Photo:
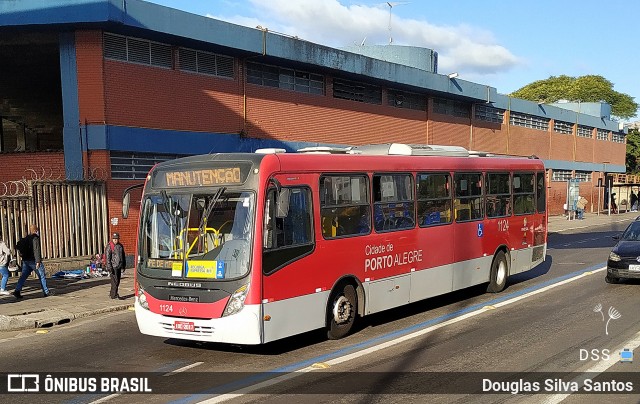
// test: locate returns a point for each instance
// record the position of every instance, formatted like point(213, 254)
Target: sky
point(504, 44)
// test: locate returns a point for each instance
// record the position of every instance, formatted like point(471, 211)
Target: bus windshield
point(197, 235)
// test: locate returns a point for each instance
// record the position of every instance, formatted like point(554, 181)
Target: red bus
point(249, 248)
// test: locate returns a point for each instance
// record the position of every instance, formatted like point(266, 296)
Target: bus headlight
point(142, 298)
point(614, 257)
point(236, 302)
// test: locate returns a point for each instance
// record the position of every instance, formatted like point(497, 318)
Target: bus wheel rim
point(341, 310)
point(502, 273)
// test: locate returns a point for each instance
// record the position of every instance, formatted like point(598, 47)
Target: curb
point(49, 318)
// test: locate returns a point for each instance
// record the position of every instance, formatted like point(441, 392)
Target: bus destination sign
point(200, 177)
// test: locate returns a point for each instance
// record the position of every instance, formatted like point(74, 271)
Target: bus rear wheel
point(341, 311)
point(499, 273)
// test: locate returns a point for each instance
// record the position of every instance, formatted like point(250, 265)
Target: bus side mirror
point(126, 200)
point(282, 204)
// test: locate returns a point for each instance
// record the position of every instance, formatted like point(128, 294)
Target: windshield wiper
point(209, 208)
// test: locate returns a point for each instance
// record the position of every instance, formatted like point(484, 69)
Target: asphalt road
point(490, 336)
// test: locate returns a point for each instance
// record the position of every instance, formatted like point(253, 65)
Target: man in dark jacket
point(32, 261)
point(115, 260)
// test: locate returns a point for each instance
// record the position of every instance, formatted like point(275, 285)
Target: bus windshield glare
point(205, 236)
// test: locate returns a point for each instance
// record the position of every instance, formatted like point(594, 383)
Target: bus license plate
point(184, 326)
point(634, 268)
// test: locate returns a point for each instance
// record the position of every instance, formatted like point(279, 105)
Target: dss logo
point(595, 354)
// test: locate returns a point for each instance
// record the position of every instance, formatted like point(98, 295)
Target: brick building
point(103, 89)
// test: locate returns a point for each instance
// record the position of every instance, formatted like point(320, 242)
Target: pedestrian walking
point(614, 206)
point(115, 260)
point(5, 257)
point(32, 261)
point(581, 204)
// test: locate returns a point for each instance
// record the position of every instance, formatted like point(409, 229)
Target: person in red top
point(115, 260)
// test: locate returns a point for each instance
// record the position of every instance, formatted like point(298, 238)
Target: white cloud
point(460, 48)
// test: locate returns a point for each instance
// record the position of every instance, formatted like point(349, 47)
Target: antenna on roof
point(392, 4)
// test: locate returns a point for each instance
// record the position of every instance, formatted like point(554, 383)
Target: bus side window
point(289, 238)
point(468, 197)
point(434, 199)
point(344, 206)
point(293, 229)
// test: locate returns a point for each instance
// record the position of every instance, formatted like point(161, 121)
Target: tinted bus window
point(434, 199)
point(393, 206)
point(468, 202)
point(523, 193)
point(293, 229)
point(344, 205)
point(287, 238)
point(542, 193)
point(498, 194)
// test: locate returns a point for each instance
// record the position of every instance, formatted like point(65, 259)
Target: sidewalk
point(81, 298)
point(74, 298)
point(558, 224)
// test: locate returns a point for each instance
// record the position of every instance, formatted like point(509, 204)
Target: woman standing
point(5, 257)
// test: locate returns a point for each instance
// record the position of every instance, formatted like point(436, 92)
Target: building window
point(287, 79)
point(584, 176)
point(356, 91)
point(585, 131)
point(133, 166)
point(565, 128)
point(528, 121)
point(561, 175)
point(617, 137)
point(602, 134)
point(344, 205)
point(450, 107)
point(489, 114)
point(136, 50)
point(402, 99)
point(393, 205)
point(191, 60)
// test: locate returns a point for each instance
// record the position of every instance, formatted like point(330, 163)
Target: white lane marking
point(182, 369)
point(598, 368)
point(249, 389)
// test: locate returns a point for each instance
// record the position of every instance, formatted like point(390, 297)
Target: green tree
point(633, 151)
point(591, 88)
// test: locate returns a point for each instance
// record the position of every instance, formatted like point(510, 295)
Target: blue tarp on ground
point(75, 274)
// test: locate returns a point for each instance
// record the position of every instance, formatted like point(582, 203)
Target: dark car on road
point(624, 258)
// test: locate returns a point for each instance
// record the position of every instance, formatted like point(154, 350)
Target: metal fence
point(72, 216)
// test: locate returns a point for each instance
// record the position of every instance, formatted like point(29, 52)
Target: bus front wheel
point(341, 311)
point(499, 273)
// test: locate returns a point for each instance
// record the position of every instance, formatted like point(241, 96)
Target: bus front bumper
point(240, 328)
